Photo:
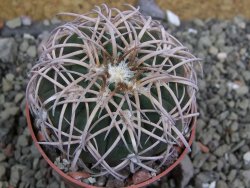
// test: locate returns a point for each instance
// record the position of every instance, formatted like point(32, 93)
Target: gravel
point(223, 100)
point(14, 23)
point(8, 48)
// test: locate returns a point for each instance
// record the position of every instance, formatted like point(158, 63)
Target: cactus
point(113, 92)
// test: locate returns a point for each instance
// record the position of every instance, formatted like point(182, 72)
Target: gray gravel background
point(220, 155)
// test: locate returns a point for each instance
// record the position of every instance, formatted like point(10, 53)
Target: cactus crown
point(114, 92)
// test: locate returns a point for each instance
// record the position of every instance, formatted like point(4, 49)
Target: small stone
point(113, 183)
point(243, 104)
point(7, 85)
point(8, 151)
point(2, 171)
point(62, 185)
point(191, 30)
point(209, 185)
point(221, 184)
point(91, 180)
point(14, 23)
point(150, 8)
point(18, 97)
point(54, 184)
point(46, 22)
point(41, 183)
point(195, 149)
point(26, 20)
point(220, 151)
point(232, 175)
point(35, 163)
point(246, 75)
point(234, 126)
point(2, 157)
point(199, 160)
point(22, 141)
point(10, 77)
point(15, 174)
point(101, 181)
point(232, 159)
point(4, 184)
point(141, 176)
point(246, 158)
point(222, 56)
point(205, 41)
point(55, 21)
point(28, 36)
point(24, 46)
point(246, 176)
point(187, 171)
point(173, 18)
point(242, 90)
point(237, 183)
point(213, 50)
point(8, 50)
point(31, 51)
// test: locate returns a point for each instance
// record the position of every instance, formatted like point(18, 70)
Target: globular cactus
point(113, 92)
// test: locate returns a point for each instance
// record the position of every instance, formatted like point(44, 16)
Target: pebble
point(14, 23)
point(26, 20)
point(8, 50)
point(232, 175)
point(173, 18)
point(18, 97)
point(53, 185)
point(242, 90)
point(7, 85)
point(141, 176)
point(209, 185)
point(205, 41)
point(246, 158)
point(2, 157)
point(246, 177)
point(237, 183)
point(221, 150)
point(22, 141)
point(222, 56)
point(234, 126)
point(232, 159)
point(187, 171)
point(113, 183)
point(46, 22)
point(32, 51)
point(221, 184)
point(150, 8)
point(24, 46)
point(199, 160)
point(15, 174)
point(41, 183)
point(2, 171)
point(101, 181)
point(213, 50)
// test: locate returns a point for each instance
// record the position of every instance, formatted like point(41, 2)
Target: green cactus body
point(116, 90)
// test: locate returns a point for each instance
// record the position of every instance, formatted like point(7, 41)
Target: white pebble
point(222, 56)
point(246, 158)
point(173, 18)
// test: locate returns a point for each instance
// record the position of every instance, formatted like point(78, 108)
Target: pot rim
point(70, 180)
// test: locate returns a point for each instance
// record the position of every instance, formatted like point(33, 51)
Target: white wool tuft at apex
point(120, 73)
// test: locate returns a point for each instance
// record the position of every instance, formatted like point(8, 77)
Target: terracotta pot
point(77, 184)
